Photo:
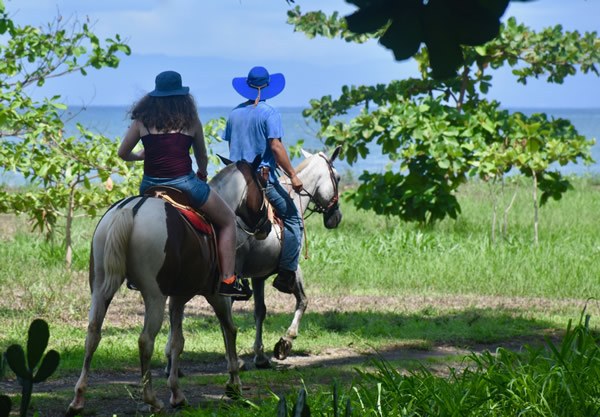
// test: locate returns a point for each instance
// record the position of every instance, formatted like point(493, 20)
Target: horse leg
point(284, 346)
point(153, 318)
point(260, 311)
point(175, 345)
point(222, 307)
point(94, 334)
point(180, 373)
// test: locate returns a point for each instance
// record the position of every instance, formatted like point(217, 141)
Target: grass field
point(376, 284)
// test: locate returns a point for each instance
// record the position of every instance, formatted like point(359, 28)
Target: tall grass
point(552, 381)
point(377, 255)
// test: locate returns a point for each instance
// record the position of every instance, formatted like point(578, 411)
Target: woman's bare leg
point(223, 218)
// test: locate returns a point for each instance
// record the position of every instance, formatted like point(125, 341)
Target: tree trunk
point(535, 209)
point(68, 229)
point(494, 213)
point(506, 210)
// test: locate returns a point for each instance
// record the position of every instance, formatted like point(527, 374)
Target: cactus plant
point(26, 369)
point(5, 406)
point(5, 403)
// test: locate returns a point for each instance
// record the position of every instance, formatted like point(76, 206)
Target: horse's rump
point(163, 249)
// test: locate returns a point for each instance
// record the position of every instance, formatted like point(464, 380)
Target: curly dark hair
point(165, 114)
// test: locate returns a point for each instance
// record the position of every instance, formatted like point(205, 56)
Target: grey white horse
point(258, 258)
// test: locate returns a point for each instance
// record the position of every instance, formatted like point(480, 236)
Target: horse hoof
point(180, 373)
point(242, 365)
point(282, 349)
point(263, 363)
point(175, 404)
point(233, 391)
point(74, 411)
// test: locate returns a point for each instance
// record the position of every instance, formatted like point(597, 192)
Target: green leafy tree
point(439, 133)
point(66, 175)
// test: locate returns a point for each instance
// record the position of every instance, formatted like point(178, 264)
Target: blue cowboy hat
point(259, 84)
point(168, 83)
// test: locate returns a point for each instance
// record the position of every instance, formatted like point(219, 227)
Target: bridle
point(317, 207)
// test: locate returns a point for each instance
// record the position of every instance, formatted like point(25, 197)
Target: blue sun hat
point(168, 83)
point(259, 84)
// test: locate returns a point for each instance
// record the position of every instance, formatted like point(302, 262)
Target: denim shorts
point(196, 189)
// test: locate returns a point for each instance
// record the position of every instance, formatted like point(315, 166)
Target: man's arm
point(283, 160)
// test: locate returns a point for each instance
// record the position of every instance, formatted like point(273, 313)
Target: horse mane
point(302, 164)
point(222, 173)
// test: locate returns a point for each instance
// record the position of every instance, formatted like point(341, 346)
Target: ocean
point(113, 122)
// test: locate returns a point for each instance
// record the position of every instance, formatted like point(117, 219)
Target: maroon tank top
point(167, 155)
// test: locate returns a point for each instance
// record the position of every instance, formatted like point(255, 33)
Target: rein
point(318, 207)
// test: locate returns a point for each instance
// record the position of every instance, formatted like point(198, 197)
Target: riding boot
point(285, 281)
point(236, 290)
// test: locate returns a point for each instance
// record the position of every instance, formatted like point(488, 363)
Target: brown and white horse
point(258, 258)
point(146, 241)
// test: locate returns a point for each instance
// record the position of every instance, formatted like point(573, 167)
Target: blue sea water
point(113, 122)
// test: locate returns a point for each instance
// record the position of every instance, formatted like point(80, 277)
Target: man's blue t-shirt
point(248, 131)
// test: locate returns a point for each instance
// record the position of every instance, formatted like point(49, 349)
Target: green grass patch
point(381, 259)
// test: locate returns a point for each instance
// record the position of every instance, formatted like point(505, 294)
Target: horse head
point(321, 186)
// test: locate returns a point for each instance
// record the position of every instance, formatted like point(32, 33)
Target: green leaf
point(59, 106)
point(404, 36)
point(445, 53)
point(301, 408)
point(281, 407)
point(475, 25)
point(368, 19)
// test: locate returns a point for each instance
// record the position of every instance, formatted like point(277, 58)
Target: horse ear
point(335, 154)
point(225, 160)
point(306, 153)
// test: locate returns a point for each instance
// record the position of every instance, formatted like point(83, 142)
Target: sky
point(212, 41)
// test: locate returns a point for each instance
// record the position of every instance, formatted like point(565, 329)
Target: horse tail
point(115, 250)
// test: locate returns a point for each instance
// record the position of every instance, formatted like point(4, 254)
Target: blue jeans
point(196, 189)
point(292, 224)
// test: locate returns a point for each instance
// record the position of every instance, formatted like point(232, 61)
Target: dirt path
point(118, 393)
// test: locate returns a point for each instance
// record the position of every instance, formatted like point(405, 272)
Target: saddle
point(180, 200)
point(259, 216)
